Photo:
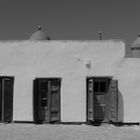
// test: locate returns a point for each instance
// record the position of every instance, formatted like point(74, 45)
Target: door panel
point(35, 100)
point(42, 99)
point(55, 100)
point(99, 106)
point(8, 99)
point(99, 113)
point(90, 106)
point(113, 96)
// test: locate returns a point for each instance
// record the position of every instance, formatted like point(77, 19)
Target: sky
point(70, 19)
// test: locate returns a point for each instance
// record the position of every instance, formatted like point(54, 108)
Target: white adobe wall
point(27, 60)
point(128, 75)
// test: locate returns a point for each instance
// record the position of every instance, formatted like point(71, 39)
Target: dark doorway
point(47, 100)
point(102, 99)
point(6, 99)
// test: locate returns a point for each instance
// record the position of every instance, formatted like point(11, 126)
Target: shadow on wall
point(120, 107)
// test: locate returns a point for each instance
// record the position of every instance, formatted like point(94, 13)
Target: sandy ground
point(67, 132)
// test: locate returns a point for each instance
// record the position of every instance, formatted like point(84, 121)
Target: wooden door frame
point(93, 77)
point(35, 104)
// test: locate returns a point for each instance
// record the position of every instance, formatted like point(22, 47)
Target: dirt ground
point(67, 132)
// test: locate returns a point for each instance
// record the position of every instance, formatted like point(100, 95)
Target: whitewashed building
point(46, 81)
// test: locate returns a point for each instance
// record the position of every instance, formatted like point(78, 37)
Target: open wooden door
point(90, 110)
point(43, 109)
point(113, 101)
point(54, 101)
point(47, 100)
point(6, 99)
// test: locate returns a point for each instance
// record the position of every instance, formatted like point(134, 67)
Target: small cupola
point(135, 48)
point(39, 35)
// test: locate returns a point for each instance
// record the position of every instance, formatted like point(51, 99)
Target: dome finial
point(39, 28)
point(100, 35)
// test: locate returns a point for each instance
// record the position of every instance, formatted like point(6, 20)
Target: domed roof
point(136, 43)
point(39, 35)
